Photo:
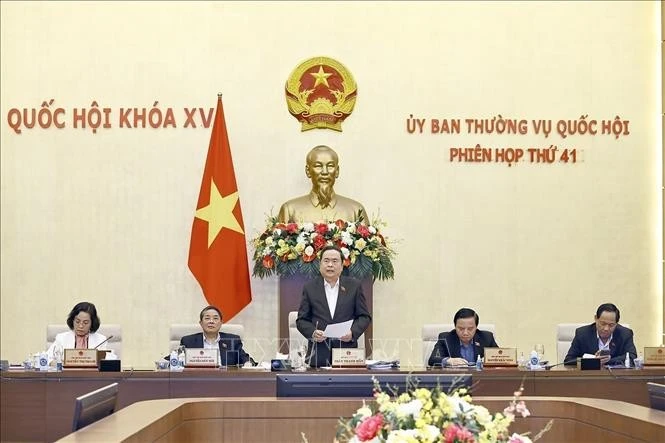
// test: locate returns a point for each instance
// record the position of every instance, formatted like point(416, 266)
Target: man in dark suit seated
point(230, 346)
point(462, 345)
point(605, 338)
point(331, 299)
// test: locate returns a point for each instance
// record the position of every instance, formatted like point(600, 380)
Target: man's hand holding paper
point(339, 330)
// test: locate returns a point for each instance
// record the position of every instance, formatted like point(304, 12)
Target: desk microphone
point(445, 342)
point(548, 367)
point(107, 339)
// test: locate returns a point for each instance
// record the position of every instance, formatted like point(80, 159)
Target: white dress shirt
point(332, 291)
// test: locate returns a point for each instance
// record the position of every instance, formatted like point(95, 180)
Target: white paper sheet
point(336, 330)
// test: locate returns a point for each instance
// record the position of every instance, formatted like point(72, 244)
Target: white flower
point(308, 227)
point(309, 250)
point(402, 435)
point(277, 232)
point(351, 229)
point(372, 230)
point(482, 415)
point(459, 406)
point(332, 226)
point(432, 432)
point(364, 411)
point(302, 238)
point(347, 238)
point(411, 408)
point(346, 252)
point(269, 241)
point(360, 244)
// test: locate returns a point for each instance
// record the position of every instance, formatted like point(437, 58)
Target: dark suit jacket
point(450, 341)
point(586, 341)
point(230, 347)
point(314, 313)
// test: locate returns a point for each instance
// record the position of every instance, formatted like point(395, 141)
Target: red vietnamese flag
point(218, 251)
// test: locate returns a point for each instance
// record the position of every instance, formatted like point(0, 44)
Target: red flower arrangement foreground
point(431, 416)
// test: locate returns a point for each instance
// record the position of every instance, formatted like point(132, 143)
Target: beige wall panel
point(106, 217)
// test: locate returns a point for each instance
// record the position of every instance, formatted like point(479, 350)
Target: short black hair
point(466, 313)
point(607, 307)
point(88, 307)
point(209, 307)
point(333, 248)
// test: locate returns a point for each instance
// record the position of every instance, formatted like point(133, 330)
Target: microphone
point(548, 367)
point(107, 339)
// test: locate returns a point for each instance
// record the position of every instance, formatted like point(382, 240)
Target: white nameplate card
point(348, 358)
point(654, 356)
point(500, 357)
point(81, 358)
point(201, 358)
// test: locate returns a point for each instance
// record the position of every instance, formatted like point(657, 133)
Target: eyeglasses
point(329, 261)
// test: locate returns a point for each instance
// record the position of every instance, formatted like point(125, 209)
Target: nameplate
point(500, 357)
point(201, 358)
point(348, 358)
point(654, 355)
point(82, 358)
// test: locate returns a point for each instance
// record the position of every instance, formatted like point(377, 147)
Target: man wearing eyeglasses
point(330, 299)
point(605, 338)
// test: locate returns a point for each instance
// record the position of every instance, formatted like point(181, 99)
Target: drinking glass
point(540, 350)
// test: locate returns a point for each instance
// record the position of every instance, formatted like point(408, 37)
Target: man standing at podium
point(331, 299)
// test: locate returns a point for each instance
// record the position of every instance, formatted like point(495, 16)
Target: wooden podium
point(290, 293)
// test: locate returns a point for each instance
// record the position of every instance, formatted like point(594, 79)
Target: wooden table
point(249, 420)
point(38, 406)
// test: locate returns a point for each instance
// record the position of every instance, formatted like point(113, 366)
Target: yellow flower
point(300, 247)
point(360, 244)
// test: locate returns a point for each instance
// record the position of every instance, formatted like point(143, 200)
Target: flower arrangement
point(424, 415)
point(295, 248)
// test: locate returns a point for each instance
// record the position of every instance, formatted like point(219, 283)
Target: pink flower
point(368, 428)
point(363, 231)
point(458, 434)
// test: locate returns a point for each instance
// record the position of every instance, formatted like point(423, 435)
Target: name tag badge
point(500, 357)
point(348, 358)
point(654, 356)
point(81, 358)
point(201, 358)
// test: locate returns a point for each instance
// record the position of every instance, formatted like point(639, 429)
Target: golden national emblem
point(321, 93)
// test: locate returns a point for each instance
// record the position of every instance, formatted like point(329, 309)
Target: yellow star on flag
point(321, 77)
point(219, 213)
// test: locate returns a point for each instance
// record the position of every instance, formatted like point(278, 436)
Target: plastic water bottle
point(173, 360)
point(57, 355)
point(626, 362)
point(479, 363)
point(181, 359)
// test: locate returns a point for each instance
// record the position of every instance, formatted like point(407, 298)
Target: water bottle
point(626, 362)
point(479, 363)
point(57, 355)
point(534, 360)
point(181, 358)
point(173, 360)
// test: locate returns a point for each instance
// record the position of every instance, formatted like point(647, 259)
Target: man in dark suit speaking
point(605, 338)
point(464, 344)
point(327, 300)
point(230, 346)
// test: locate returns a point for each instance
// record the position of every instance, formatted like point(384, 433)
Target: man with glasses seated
point(328, 299)
point(605, 338)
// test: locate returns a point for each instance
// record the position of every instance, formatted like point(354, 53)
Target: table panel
point(39, 406)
